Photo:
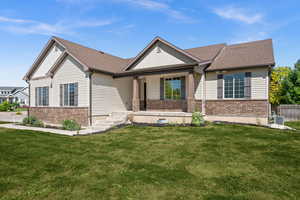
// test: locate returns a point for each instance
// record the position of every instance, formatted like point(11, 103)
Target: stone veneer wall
point(243, 108)
point(167, 105)
point(55, 115)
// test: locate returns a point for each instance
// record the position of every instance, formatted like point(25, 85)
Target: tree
point(291, 86)
point(278, 75)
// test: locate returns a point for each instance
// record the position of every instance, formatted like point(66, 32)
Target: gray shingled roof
point(250, 54)
point(10, 88)
point(222, 56)
point(94, 59)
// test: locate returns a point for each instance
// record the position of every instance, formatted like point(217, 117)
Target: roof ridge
point(250, 42)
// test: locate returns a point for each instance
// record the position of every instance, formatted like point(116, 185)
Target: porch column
point(191, 93)
point(135, 96)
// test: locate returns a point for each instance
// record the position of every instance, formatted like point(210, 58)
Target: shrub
point(2, 109)
point(14, 106)
point(38, 123)
point(71, 125)
point(33, 121)
point(5, 106)
point(197, 119)
point(29, 120)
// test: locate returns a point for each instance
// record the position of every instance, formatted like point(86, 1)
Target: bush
point(33, 121)
point(5, 106)
point(197, 119)
point(29, 120)
point(14, 106)
point(71, 125)
point(38, 123)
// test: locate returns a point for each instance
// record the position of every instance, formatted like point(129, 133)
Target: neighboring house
point(224, 82)
point(14, 94)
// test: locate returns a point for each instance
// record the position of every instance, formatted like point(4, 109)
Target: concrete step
point(116, 118)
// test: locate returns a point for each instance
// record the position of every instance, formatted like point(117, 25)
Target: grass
point(217, 162)
point(293, 124)
point(17, 110)
point(1, 122)
point(20, 109)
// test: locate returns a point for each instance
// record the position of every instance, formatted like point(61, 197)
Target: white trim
point(233, 86)
point(63, 95)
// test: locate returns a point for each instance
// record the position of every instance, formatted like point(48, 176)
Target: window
point(69, 94)
point(234, 85)
point(42, 96)
point(173, 88)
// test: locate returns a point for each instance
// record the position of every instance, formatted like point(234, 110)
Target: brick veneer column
point(191, 93)
point(135, 96)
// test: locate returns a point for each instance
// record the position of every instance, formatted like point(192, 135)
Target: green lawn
point(293, 124)
point(218, 162)
point(1, 122)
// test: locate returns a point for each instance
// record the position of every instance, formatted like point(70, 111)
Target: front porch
point(167, 92)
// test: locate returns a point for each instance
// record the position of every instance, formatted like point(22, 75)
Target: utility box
point(279, 120)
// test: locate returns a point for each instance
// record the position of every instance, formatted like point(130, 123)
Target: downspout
point(203, 92)
point(29, 91)
point(90, 93)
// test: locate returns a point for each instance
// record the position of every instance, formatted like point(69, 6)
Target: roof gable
point(51, 56)
point(167, 49)
point(161, 55)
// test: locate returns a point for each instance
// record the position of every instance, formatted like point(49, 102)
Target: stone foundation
point(237, 108)
point(55, 115)
point(167, 105)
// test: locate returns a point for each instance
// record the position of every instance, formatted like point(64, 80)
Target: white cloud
point(156, 6)
point(238, 14)
point(160, 7)
point(6, 19)
point(68, 27)
point(148, 4)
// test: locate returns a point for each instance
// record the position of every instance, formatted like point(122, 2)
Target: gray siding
point(69, 72)
point(109, 95)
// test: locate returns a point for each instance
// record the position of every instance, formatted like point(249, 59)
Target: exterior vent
point(158, 50)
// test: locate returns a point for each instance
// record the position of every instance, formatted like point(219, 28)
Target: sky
point(124, 27)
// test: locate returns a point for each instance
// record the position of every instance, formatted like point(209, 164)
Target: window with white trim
point(173, 88)
point(69, 94)
point(42, 96)
point(234, 86)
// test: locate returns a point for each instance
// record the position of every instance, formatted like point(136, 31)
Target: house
point(224, 82)
point(14, 94)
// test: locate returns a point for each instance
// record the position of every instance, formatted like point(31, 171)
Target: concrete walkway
point(51, 130)
point(12, 117)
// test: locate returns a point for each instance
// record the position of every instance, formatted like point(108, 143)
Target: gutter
point(241, 67)
point(29, 92)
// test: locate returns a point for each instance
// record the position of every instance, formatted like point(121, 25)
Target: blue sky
point(124, 27)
